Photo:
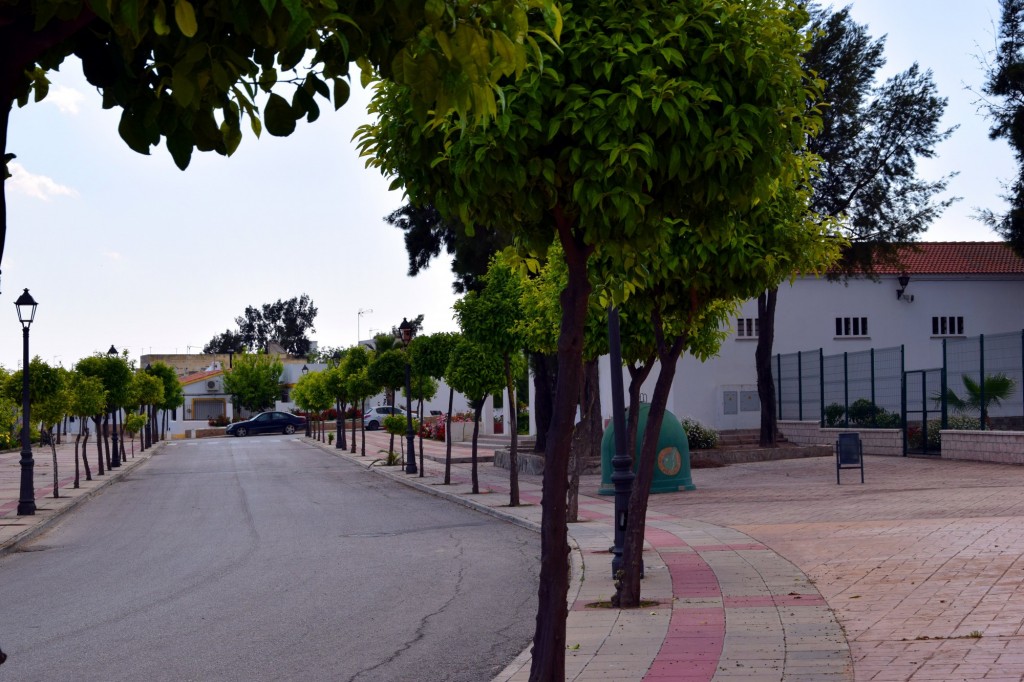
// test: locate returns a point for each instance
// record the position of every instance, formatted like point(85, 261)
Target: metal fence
point(863, 388)
point(979, 386)
point(984, 377)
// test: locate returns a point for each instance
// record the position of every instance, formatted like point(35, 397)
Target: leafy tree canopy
point(254, 380)
point(286, 322)
point(1004, 105)
point(871, 138)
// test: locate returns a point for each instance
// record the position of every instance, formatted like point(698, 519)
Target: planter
point(461, 432)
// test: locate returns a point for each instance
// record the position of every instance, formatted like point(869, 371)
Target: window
point(947, 326)
point(851, 326)
point(747, 327)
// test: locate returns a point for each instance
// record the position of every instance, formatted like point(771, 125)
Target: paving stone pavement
point(768, 571)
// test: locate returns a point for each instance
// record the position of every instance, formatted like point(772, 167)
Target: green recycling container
point(672, 463)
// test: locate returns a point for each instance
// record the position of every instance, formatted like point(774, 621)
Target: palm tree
point(991, 392)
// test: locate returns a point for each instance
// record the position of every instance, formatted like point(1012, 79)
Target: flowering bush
point(433, 429)
point(219, 420)
point(462, 417)
point(699, 436)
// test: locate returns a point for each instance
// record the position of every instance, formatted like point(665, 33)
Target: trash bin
point(672, 463)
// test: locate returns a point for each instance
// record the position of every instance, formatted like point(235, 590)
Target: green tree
point(430, 356)
point(147, 393)
point(116, 376)
point(387, 371)
point(133, 424)
point(359, 387)
point(677, 113)
point(336, 385)
point(491, 318)
point(476, 372)
point(173, 394)
point(254, 381)
point(312, 395)
point(48, 400)
point(871, 138)
point(192, 78)
point(1003, 103)
point(88, 397)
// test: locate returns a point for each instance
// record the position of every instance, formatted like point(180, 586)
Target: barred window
point(948, 326)
point(851, 326)
point(747, 327)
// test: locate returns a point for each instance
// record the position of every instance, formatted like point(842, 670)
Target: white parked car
point(374, 416)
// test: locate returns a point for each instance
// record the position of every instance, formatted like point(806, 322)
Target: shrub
point(433, 429)
point(834, 414)
point(960, 422)
point(866, 414)
point(699, 436)
point(219, 420)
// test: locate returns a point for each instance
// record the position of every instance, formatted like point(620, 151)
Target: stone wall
point(1006, 447)
point(875, 441)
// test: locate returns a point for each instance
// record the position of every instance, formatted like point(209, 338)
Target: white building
point(954, 289)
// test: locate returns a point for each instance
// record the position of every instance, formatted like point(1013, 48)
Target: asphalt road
point(267, 559)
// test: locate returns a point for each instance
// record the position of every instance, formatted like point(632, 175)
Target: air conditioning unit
point(211, 386)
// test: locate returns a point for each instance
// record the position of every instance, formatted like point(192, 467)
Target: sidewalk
point(727, 606)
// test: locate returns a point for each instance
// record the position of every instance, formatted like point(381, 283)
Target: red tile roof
point(199, 376)
point(956, 258)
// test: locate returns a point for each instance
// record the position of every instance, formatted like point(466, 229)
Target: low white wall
point(1006, 447)
point(875, 441)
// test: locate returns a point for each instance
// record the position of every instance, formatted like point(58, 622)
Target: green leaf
point(278, 116)
point(185, 17)
point(341, 92)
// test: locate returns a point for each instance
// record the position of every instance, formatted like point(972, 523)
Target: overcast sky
point(125, 249)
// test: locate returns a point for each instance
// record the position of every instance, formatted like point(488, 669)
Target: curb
point(12, 544)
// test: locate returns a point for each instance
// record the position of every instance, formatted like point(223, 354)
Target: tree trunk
point(476, 431)
point(85, 446)
point(448, 438)
point(362, 430)
point(586, 437)
point(107, 433)
point(98, 421)
point(421, 436)
point(513, 448)
point(628, 586)
point(763, 361)
point(53, 449)
point(548, 664)
point(78, 438)
point(545, 374)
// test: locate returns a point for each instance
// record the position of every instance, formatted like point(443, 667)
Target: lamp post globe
point(407, 332)
point(26, 306)
point(115, 457)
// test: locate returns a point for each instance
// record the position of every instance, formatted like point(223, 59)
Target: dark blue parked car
point(267, 422)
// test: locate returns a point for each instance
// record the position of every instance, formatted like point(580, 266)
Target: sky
point(126, 250)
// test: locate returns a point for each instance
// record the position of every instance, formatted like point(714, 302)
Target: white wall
point(805, 320)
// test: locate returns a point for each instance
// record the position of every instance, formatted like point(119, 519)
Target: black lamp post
point(407, 331)
point(622, 463)
point(309, 433)
point(115, 458)
point(26, 306)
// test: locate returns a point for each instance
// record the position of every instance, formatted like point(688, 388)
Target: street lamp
point(26, 306)
point(305, 371)
point(115, 459)
point(407, 331)
point(622, 462)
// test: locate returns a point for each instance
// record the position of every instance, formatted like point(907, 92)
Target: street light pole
point(26, 306)
point(622, 463)
point(115, 458)
point(309, 433)
point(359, 319)
point(408, 332)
